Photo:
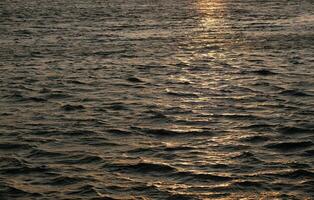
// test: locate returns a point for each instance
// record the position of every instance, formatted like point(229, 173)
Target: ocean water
point(156, 99)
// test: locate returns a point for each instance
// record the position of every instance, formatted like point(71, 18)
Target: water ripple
point(138, 99)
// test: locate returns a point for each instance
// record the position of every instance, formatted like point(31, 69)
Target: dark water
point(156, 99)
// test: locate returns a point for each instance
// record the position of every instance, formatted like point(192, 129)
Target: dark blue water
point(156, 99)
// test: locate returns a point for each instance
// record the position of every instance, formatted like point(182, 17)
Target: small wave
point(218, 166)
point(283, 146)
point(233, 147)
point(15, 146)
point(36, 153)
point(57, 95)
point(11, 192)
point(36, 99)
point(81, 159)
point(119, 131)
point(24, 169)
point(118, 106)
point(147, 167)
point(64, 133)
point(263, 72)
point(6, 114)
point(192, 176)
point(44, 90)
point(179, 148)
point(69, 107)
point(295, 93)
point(108, 53)
point(249, 184)
point(80, 132)
point(65, 180)
point(240, 116)
point(255, 139)
point(183, 94)
point(157, 115)
point(298, 174)
point(107, 197)
point(85, 190)
point(98, 141)
point(77, 82)
point(142, 150)
point(309, 153)
point(296, 165)
point(182, 197)
point(295, 130)
point(179, 82)
point(247, 156)
point(260, 126)
point(21, 98)
point(168, 132)
point(134, 80)
point(7, 162)
point(23, 32)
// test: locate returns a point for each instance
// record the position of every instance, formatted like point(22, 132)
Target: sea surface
point(156, 99)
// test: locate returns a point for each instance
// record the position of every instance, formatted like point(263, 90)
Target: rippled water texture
point(156, 99)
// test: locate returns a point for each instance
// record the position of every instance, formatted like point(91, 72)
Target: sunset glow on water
point(143, 99)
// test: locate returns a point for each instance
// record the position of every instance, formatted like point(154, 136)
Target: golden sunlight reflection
point(211, 38)
point(164, 99)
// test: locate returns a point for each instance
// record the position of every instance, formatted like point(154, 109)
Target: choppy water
point(156, 99)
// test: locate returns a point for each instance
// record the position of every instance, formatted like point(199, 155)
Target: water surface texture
point(156, 99)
